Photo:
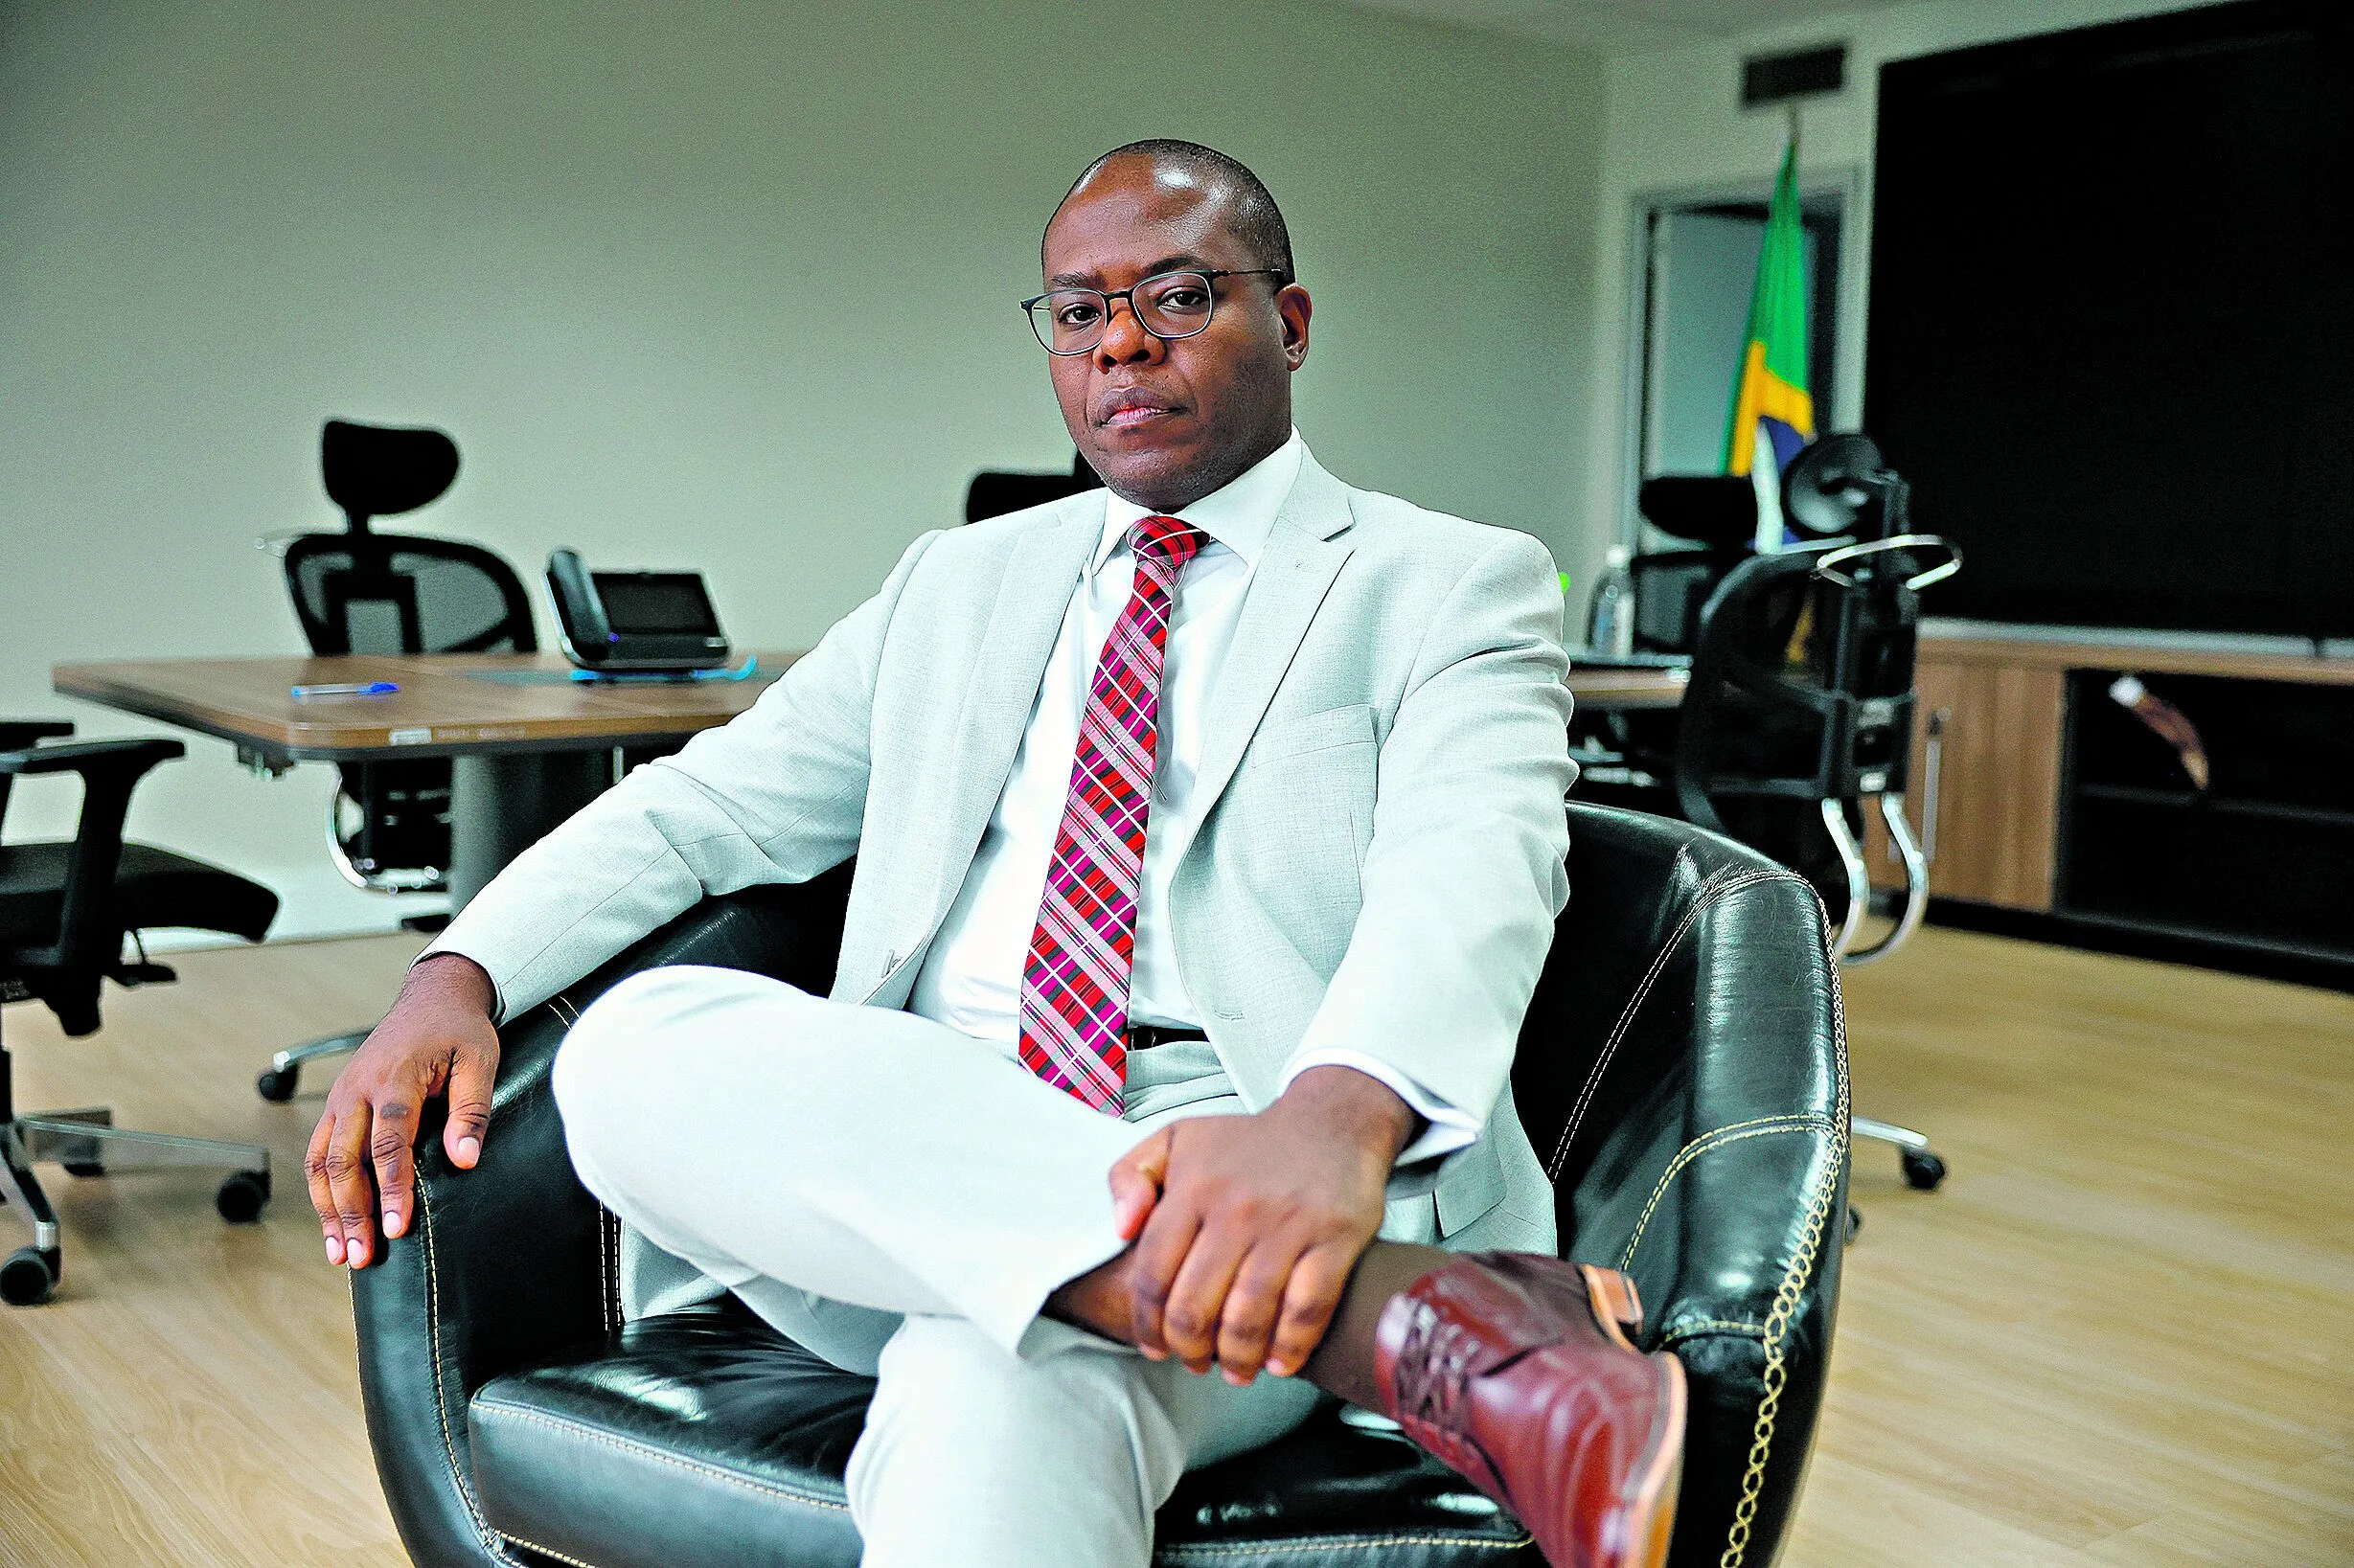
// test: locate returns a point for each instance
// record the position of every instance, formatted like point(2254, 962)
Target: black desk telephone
point(660, 622)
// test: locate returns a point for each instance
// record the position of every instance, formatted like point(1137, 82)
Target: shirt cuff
point(1445, 1129)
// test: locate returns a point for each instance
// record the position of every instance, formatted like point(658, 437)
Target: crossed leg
point(820, 1159)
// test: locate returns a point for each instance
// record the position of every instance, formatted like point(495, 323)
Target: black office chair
point(994, 495)
point(1717, 514)
point(364, 591)
point(1682, 1072)
point(65, 908)
point(1799, 711)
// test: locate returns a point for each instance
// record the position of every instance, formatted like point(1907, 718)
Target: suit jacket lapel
point(1041, 571)
point(1295, 571)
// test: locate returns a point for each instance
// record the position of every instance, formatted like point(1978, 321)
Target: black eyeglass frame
point(1208, 275)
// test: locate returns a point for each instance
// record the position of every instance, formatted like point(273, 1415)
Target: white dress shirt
point(972, 977)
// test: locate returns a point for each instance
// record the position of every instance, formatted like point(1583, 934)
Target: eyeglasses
point(1168, 305)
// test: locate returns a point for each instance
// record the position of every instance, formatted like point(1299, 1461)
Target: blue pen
point(348, 688)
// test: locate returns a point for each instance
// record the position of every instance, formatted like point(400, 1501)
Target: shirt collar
point(1239, 515)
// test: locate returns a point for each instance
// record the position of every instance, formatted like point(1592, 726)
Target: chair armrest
point(16, 733)
point(1686, 1069)
point(513, 1260)
point(92, 759)
point(88, 937)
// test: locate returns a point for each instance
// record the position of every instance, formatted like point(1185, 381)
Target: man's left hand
point(1246, 1226)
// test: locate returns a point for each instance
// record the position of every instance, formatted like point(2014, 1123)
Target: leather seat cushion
point(152, 888)
point(708, 1437)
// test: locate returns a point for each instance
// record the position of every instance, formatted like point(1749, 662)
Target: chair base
point(1924, 1170)
point(280, 1080)
point(88, 1143)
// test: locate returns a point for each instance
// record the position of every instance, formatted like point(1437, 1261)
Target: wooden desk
point(524, 756)
point(448, 705)
point(1613, 690)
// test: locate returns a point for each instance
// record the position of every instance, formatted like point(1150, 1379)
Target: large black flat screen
point(2111, 328)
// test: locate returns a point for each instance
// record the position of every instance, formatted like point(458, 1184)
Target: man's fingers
point(1247, 1322)
point(1196, 1297)
point(350, 1195)
point(1160, 1252)
point(389, 1150)
point(1309, 1298)
point(472, 1073)
point(1136, 1179)
point(314, 1174)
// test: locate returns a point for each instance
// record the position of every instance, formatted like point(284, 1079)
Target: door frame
point(1851, 295)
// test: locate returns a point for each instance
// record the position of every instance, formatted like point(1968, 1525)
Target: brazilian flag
point(1770, 389)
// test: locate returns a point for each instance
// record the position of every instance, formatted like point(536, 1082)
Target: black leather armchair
point(1682, 1073)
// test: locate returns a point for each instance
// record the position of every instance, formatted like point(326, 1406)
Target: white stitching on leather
point(491, 1541)
point(604, 1274)
point(528, 1543)
point(1698, 1327)
point(1765, 1126)
point(1820, 1202)
point(612, 1440)
point(1724, 886)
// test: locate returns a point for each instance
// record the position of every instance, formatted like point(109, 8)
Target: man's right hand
point(438, 1038)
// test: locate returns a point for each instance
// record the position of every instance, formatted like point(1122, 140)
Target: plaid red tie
point(1074, 987)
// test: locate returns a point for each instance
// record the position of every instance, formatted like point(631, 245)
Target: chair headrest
point(1840, 485)
point(1719, 510)
point(373, 470)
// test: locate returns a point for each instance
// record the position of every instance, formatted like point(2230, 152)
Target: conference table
point(528, 744)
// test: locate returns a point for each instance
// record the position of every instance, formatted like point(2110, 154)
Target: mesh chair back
point(1801, 693)
point(374, 593)
point(371, 592)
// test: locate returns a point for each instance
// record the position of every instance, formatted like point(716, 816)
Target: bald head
point(1166, 421)
point(1178, 167)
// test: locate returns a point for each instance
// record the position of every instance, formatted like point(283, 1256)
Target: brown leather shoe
point(1516, 1370)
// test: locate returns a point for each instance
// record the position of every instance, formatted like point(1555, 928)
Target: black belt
point(1145, 1036)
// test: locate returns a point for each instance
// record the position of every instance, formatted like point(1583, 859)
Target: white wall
point(716, 286)
point(1673, 123)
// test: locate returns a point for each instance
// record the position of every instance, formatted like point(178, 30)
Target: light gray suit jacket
point(1380, 855)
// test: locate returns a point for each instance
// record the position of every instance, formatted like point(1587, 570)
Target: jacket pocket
point(1473, 1183)
point(1349, 726)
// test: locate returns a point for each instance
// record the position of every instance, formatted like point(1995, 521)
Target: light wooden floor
point(2122, 1333)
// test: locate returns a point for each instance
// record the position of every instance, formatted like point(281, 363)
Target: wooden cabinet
point(1986, 762)
point(1998, 708)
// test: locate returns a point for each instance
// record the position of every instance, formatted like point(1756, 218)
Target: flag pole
point(1765, 466)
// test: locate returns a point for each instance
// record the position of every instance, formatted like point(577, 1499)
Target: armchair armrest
point(1684, 1079)
point(513, 1260)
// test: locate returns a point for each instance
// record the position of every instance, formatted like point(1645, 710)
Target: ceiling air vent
point(1767, 79)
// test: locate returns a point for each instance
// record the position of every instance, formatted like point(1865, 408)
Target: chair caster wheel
point(26, 1279)
point(1923, 1171)
point(241, 1196)
point(84, 1167)
point(1855, 1223)
point(276, 1086)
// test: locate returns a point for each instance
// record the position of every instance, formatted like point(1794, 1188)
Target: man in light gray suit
point(1209, 840)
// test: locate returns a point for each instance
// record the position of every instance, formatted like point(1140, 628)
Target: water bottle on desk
point(1609, 620)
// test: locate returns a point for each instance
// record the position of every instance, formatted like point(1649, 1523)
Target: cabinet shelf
point(2260, 861)
point(2223, 805)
